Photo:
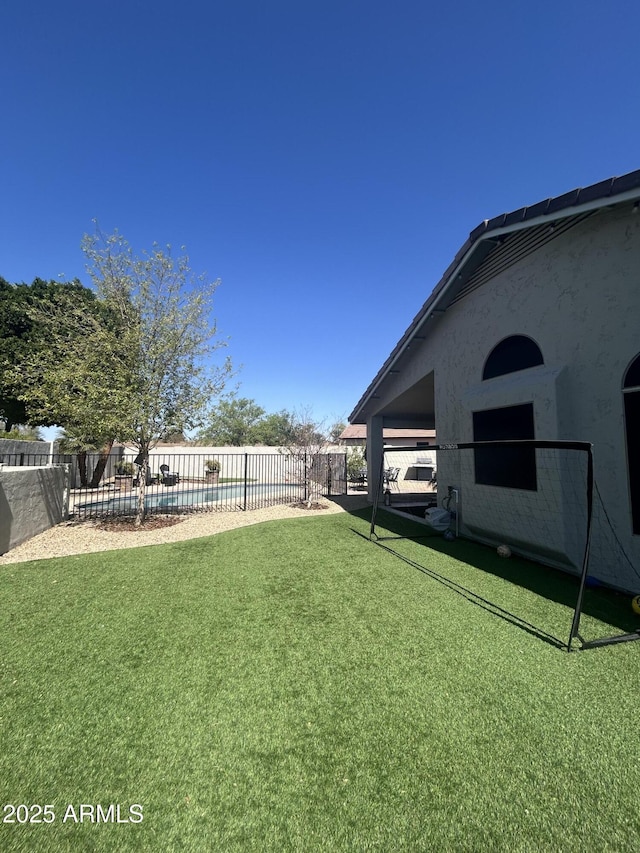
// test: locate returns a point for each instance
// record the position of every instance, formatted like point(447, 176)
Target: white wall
point(266, 464)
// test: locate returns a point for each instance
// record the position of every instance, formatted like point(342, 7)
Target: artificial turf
point(294, 687)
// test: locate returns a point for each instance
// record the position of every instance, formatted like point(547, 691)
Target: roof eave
point(588, 200)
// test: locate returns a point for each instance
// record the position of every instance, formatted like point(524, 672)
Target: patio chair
point(151, 478)
point(359, 478)
point(168, 479)
point(391, 476)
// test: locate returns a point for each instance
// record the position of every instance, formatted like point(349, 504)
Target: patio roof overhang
point(507, 237)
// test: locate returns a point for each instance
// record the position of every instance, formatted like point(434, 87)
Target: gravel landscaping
point(84, 537)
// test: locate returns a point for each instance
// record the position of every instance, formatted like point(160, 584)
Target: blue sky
point(324, 160)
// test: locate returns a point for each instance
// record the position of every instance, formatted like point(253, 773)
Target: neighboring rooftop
point(359, 431)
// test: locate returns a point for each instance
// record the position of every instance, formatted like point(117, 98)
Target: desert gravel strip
point(85, 537)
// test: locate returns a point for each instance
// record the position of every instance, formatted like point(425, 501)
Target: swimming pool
point(231, 494)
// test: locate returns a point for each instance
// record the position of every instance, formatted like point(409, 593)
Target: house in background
point(533, 332)
point(355, 435)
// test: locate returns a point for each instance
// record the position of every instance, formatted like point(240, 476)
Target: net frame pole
point(376, 499)
point(575, 624)
point(550, 444)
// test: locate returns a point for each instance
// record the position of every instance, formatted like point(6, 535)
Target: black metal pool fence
point(188, 482)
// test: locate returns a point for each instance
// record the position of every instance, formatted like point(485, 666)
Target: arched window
point(511, 467)
point(631, 393)
point(632, 376)
point(512, 354)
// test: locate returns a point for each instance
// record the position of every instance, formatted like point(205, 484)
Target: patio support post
point(375, 447)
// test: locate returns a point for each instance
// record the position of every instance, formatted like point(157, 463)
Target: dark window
point(632, 376)
point(510, 467)
point(632, 426)
point(510, 355)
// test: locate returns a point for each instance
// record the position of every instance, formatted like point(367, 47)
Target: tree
point(305, 449)
point(166, 340)
point(69, 444)
point(335, 431)
point(177, 437)
point(22, 432)
point(275, 430)
point(71, 372)
point(238, 422)
point(233, 423)
point(14, 327)
point(45, 348)
point(355, 462)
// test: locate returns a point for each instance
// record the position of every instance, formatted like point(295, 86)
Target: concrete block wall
point(31, 500)
point(34, 451)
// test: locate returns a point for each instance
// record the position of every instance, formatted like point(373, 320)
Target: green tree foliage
point(336, 430)
point(355, 462)
point(14, 330)
point(65, 366)
point(71, 375)
point(275, 430)
point(238, 422)
point(233, 422)
point(21, 432)
point(80, 448)
point(30, 345)
point(166, 338)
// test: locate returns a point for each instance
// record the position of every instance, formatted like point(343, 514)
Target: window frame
point(631, 412)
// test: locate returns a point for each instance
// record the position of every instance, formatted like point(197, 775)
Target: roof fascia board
point(441, 289)
point(427, 312)
point(566, 213)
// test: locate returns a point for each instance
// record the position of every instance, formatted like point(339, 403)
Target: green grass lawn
point(294, 687)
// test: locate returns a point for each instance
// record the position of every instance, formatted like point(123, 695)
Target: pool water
point(171, 498)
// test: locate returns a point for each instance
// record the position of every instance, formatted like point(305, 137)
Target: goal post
point(535, 497)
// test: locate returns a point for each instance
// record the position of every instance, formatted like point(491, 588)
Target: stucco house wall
point(578, 297)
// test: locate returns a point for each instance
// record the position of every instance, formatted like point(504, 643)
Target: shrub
point(355, 463)
point(126, 469)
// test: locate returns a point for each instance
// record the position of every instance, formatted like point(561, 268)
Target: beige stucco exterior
point(577, 295)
